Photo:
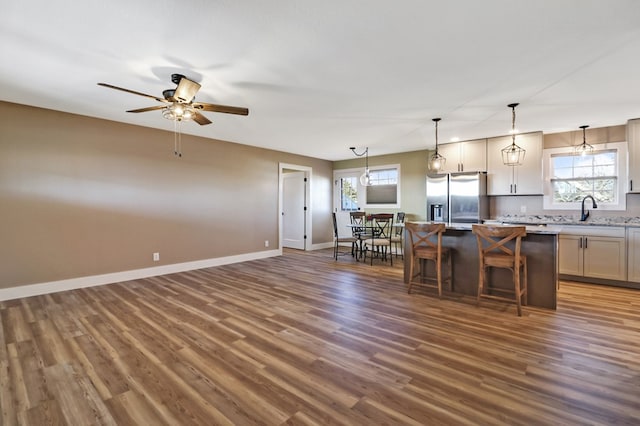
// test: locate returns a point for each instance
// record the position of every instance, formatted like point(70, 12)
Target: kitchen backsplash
point(529, 208)
point(568, 219)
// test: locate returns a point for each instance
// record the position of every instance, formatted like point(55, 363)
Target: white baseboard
point(321, 246)
point(95, 280)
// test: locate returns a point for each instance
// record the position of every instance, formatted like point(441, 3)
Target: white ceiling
point(321, 76)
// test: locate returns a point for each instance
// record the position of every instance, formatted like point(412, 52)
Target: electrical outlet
point(523, 208)
point(156, 257)
point(266, 243)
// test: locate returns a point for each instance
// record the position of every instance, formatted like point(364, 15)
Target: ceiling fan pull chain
point(175, 138)
point(179, 138)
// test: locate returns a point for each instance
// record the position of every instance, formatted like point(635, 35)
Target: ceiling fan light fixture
point(436, 161)
point(584, 148)
point(513, 155)
point(179, 112)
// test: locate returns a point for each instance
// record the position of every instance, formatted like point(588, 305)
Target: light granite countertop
point(620, 221)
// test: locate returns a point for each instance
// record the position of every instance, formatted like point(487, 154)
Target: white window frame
point(363, 190)
point(621, 173)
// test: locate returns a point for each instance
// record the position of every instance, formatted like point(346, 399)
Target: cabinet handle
point(580, 243)
point(515, 188)
point(585, 242)
point(631, 185)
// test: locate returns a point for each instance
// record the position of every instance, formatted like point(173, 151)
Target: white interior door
point(294, 192)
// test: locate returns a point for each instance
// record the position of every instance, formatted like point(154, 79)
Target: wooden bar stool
point(421, 236)
point(493, 253)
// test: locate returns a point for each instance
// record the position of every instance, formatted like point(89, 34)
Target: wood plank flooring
point(302, 339)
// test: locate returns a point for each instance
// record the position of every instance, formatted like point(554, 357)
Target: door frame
point(336, 196)
point(308, 172)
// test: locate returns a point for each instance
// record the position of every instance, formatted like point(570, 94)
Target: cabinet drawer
point(593, 231)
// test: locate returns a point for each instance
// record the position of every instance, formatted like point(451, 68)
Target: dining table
point(364, 231)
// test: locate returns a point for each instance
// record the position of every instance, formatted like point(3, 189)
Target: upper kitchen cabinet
point(467, 156)
point(633, 143)
point(525, 179)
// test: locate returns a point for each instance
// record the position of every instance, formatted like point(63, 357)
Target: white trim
point(322, 246)
point(95, 280)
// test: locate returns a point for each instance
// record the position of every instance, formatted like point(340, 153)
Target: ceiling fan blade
point(110, 86)
point(221, 108)
point(153, 108)
point(201, 119)
point(186, 90)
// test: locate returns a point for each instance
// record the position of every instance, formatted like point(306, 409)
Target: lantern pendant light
point(513, 155)
point(436, 161)
point(584, 148)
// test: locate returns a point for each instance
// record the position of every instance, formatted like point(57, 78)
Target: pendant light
point(365, 179)
point(436, 161)
point(584, 148)
point(513, 155)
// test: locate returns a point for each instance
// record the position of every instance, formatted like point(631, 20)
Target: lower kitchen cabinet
point(633, 262)
point(592, 255)
point(570, 255)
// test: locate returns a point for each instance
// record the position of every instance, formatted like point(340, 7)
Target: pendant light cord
point(513, 123)
point(436, 120)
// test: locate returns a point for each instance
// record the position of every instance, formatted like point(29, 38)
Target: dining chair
point(398, 232)
point(357, 218)
point(425, 240)
point(493, 252)
point(380, 241)
point(337, 239)
point(360, 233)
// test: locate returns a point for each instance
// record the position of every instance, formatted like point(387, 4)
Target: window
point(384, 190)
point(570, 177)
point(576, 176)
point(349, 193)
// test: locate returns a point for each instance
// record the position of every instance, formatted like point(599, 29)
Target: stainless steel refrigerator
point(438, 198)
point(457, 197)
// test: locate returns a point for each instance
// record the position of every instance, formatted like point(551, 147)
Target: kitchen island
point(540, 246)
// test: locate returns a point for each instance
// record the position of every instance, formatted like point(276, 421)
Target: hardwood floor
point(303, 339)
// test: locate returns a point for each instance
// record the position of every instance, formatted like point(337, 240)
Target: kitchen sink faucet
point(585, 214)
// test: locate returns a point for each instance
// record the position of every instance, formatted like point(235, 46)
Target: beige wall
point(593, 136)
point(81, 196)
point(413, 172)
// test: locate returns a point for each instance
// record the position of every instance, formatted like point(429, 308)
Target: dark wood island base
point(540, 246)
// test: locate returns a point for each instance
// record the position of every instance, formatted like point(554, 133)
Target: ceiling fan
point(178, 104)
